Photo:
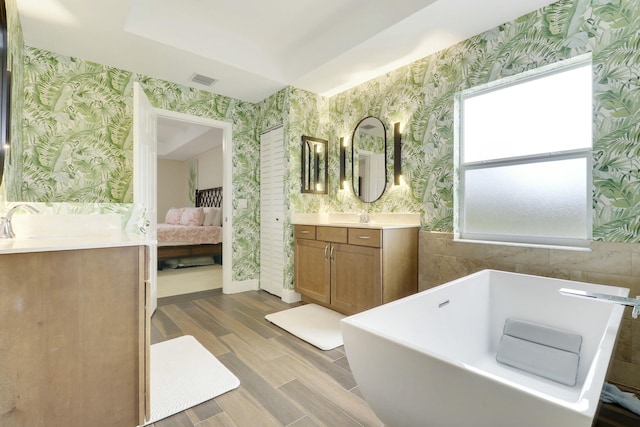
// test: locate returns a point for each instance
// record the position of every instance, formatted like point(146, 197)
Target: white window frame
point(460, 168)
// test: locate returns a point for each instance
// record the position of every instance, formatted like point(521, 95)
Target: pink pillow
point(174, 215)
point(192, 216)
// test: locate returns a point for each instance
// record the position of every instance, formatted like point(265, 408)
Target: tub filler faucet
point(7, 230)
point(629, 302)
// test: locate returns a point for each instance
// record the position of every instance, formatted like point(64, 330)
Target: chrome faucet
point(364, 218)
point(7, 230)
point(629, 302)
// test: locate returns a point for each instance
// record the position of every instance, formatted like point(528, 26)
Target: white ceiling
point(256, 47)
point(179, 140)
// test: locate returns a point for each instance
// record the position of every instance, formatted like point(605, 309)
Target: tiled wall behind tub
point(617, 264)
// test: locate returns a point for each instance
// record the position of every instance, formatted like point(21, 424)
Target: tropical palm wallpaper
point(421, 97)
point(77, 142)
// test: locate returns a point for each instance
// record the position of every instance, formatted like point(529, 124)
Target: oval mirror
point(369, 159)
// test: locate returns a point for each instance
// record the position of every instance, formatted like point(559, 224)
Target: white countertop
point(18, 245)
point(371, 225)
point(377, 220)
point(63, 232)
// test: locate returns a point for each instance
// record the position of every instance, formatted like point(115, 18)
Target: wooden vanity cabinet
point(74, 338)
point(351, 269)
point(356, 278)
point(313, 269)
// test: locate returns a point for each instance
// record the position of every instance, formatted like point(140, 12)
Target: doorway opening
point(193, 153)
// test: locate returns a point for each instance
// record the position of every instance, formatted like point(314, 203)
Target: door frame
point(145, 179)
point(227, 185)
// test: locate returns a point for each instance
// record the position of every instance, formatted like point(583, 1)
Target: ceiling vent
point(203, 80)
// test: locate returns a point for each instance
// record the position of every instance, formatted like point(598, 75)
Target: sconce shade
point(343, 163)
point(397, 153)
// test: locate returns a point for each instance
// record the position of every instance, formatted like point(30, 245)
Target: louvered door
point(272, 211)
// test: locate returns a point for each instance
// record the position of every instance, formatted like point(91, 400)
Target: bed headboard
point(210, 197)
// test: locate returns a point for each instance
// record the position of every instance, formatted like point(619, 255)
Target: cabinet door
point(356, 278)
point(70, 338)
point(312, 269)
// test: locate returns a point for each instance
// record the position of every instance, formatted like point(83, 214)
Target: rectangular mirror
point(314, 165)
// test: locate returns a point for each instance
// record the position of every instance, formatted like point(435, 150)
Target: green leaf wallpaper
point(77, 136)
point(76, 140)
point(421, 97)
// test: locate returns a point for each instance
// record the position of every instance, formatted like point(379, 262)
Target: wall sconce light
point(397, 154)
point(343, 162)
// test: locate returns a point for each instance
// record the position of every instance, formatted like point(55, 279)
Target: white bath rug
point(185, 374)
point(312, 323)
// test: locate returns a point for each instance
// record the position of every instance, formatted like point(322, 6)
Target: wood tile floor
point(283, 381)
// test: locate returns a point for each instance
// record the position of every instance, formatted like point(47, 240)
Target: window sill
point(527, 245)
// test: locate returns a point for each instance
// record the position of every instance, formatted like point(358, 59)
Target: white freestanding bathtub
point(430, 359)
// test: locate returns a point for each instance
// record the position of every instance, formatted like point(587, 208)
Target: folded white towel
point(612, 394)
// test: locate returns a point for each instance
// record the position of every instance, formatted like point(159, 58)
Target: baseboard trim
point(290, 296)
point(244, 286)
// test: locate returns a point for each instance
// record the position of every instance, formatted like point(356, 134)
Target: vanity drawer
point(304, 232)
point(332, 234)
point(365, 237)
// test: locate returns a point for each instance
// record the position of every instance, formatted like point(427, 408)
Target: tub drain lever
point(629, 302)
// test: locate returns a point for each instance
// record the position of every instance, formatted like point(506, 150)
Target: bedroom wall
point(173, 186)
point(210, 168)
point(178, 179)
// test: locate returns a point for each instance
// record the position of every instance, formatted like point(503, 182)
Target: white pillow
point(212, 216)
point(208, 216)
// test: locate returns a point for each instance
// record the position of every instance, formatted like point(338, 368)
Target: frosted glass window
point(540, 115)
point(523, 160)
point(547, 199)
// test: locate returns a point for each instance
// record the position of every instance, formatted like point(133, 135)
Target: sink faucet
point(7, 230)
point(364, 218)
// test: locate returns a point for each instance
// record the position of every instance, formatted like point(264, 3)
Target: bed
point(190, 235)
